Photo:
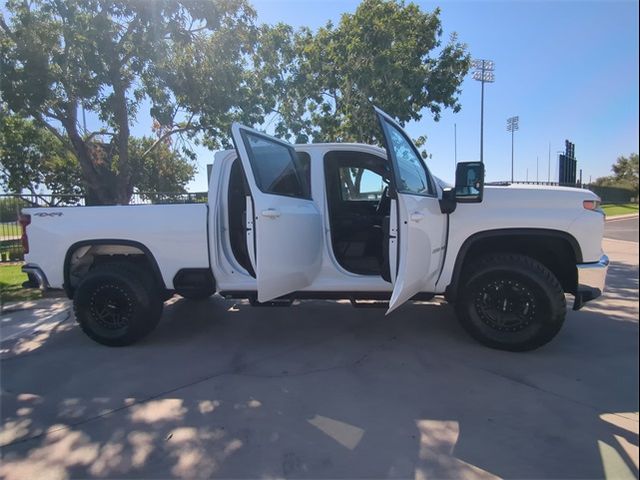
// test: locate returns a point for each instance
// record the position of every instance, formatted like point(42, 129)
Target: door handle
point(271, 213)
point(416, 216)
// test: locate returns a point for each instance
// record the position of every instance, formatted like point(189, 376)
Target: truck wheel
point(117, 304)
point(511, 302)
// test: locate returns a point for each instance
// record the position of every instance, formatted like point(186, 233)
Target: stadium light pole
point(484, 73)
point(455, 145)
point(513, 124)
point(549, 167)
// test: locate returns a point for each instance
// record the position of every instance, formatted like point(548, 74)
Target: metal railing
point(552, 184)
point(11, 205)
point(608, 194)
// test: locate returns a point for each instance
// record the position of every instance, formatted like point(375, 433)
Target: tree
point(625, 173)
point(31, 157)
point(387, 53)
point(112, 57)
point(164, 170)
point(626, 170)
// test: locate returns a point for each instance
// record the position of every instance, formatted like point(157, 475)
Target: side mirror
point(448, 201)
point(469, 182)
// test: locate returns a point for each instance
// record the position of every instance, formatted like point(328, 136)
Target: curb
point(622, 217)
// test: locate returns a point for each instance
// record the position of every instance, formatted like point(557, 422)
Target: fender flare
point(451, 289)
point(108, 241)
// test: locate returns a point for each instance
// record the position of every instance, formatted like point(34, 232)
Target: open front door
point(285, 231)
point(419, 226)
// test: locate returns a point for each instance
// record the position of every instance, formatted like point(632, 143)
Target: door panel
point(393, 241)
point(420, 247)
point(285, 223)
point(420, 224)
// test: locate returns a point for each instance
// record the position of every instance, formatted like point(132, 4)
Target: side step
point(358, 303)
point(278, 302)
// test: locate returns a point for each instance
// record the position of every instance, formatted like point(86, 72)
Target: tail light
point(24, 221)
point(591, 204)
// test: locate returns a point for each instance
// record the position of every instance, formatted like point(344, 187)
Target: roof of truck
point(320, 146)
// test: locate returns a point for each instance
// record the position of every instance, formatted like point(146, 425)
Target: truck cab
point(327, 218)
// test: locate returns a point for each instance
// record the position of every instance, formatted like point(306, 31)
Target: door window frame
point(304, 182)
point(387, 122)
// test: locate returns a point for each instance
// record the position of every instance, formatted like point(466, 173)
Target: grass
point(615, 209)
point(11, 278)
point(9, 231)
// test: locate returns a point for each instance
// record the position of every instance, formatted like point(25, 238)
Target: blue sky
point(568, 69)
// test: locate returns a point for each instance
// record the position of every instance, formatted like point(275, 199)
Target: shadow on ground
point(323, 390)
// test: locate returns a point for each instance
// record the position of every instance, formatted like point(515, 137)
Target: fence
point(12, 204)
point(606, 194)
point(614, 194)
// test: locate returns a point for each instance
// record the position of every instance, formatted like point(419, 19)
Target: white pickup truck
point(330, 221)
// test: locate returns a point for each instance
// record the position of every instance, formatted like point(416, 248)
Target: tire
point(511, 302)
point(117, 304)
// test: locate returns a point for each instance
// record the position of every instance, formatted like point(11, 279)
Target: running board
point(358, 303)
point(282, 302)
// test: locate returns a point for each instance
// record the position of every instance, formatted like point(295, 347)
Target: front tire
point(511, 302)
point(117, 304)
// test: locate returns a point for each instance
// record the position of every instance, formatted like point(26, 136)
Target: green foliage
point(625, 173)
point(163, 170)
point(202, 64)
point(31, 158)
point(187, 57)
point(9, 210)
point(387, 53)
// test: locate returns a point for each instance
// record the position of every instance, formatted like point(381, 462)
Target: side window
point(412, 172)
point(276, 167)
point(358, 183)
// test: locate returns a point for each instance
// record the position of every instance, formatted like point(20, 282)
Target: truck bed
point(176, 235)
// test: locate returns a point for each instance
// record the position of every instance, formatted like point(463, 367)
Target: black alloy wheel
point(510, 302)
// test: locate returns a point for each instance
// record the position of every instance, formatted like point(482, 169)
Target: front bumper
point(591, 281)
point(37, 278)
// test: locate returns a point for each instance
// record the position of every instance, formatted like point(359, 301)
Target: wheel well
point(557, 251)
point(82, 257)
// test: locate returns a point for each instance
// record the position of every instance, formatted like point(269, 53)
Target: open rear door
point(285, 240)
point(419, 225)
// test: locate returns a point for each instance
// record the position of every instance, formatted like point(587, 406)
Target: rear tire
point(511, 302)
point(117, 304)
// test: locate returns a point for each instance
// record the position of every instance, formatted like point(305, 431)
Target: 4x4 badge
point(48, 214)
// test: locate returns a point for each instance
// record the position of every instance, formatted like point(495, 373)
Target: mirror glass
point(469, 181)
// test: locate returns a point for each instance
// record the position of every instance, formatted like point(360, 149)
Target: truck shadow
point(324, 390)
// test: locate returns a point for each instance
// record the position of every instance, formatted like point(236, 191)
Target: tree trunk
point(103, 185)
point(124, 187)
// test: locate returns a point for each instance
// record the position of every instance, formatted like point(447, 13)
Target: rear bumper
point(37, 278)
point(591, 281)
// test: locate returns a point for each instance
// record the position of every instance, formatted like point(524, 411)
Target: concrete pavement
point(324, 390)
point(625, 228)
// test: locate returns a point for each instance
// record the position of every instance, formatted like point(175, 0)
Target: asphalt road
point(322, 390)
point(622, 229)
